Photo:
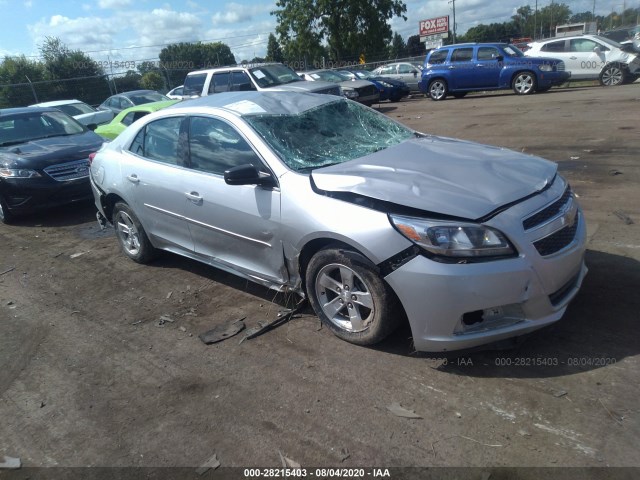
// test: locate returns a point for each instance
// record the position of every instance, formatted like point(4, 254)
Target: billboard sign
point(434, 25)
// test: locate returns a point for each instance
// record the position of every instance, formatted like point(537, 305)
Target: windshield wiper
point(12, 142)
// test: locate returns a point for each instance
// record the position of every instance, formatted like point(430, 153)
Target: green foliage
point(146, 67)
point(349, 28)
point(415, 47)
point(127, 82)
point(398, 48)
point(152, 81)
point(178, 59)
point(274, 52)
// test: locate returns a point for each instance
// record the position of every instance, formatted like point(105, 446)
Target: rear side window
point(193, 84)
point(462, 55)
point(487, 53)
point(438, 57)
point(219, 83)
point(160, 140)
point(404, 68)
point(554, 46)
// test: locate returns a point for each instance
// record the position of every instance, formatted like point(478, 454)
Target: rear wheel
point(132, 238)
point(612, 75)
point(524, 83)
point(438, 89)
point(350, 297)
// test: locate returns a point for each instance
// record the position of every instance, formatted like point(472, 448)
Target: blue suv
point(468, 67)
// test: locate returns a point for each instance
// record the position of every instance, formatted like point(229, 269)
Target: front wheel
point(350, 297)
point(131, 235)
point(438, 89)
point(6, 216)
point(524, 83)
point(612, 75)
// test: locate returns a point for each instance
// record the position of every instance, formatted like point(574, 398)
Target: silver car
point(373, 222)
point(82, 112)
point(409, 73)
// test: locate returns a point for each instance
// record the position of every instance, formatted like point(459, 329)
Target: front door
point(235, 225)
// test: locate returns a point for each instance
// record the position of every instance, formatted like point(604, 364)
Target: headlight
point(453, 239)
point(385, 84)
point(545, 67)
point(18, 173)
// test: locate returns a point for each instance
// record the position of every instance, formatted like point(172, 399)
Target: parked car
point(468, 67)
point(270, 76)
point(389, 88)
point(407, 72)
point(128, 116)
point(122, 101)
point(623, 34)
point(592, 57)
point(44, 160)
point(374, 222)
point(83, 113)
point(176, 93)
point(361, 91)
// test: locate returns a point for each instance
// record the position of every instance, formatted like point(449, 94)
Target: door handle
point(194, 197)
point(479, 65)
point(451, 67)
point(573, 58)
point(133, 178)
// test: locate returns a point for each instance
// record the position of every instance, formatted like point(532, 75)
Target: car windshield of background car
point(270, 75)
point(26, 127)
point(334, 132)
point(74, 109)
point(147, 98)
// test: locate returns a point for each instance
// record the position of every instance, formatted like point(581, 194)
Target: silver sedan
point(375, 223)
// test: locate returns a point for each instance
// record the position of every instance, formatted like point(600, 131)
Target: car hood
point(355, 83)
point(38, 154)
point(440, 175)
point(306, 86)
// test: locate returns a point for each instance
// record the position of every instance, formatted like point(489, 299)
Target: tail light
point(91, 157)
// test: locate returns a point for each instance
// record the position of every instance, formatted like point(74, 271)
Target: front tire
point(437, 89)
point(131, 235)
point(350, 298)
point(6, 216)
point(612, 75)
point(524, 83)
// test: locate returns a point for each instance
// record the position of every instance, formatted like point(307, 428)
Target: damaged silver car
point(375, 223)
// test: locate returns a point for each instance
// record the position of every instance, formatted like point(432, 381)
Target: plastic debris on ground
point(223, 331)
point(399, 411)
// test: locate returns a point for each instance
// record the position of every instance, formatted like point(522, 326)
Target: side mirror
point(248, 175)
point(92, 126)
point(415, 73)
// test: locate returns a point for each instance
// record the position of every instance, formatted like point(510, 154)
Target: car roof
point(151, 106)
point(257, 102)
point(19, 110)
point(232, 67)
point(56, 103)
point(136, 92)
point(570, 37)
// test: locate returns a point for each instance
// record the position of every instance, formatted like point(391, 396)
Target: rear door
point(235, 225)
point(153, 171)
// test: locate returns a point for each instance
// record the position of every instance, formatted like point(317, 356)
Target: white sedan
point(82, 112)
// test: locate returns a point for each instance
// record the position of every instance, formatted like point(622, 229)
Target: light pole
point(453, 2)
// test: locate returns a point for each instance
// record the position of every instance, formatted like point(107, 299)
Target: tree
point(152, 81)
point(178, 59)
point(15, 74)
point(127, 82)
point(398, 48)
point(415, 47)
point(274, 52)
point(147, 66)
point(348, 28)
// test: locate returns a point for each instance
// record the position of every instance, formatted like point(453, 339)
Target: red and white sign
point(434, 25)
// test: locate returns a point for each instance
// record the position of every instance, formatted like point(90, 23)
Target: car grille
point(69, 170)
point(330, 91)
point(549, 212)
point(560, 66)
point(558, 240)
point(367, 91)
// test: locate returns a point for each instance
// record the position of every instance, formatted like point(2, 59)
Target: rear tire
point(437, 89)
point(131, 235)
point(350, 298)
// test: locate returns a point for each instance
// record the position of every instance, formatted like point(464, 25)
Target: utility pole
point(535, 20)
point(453, 2)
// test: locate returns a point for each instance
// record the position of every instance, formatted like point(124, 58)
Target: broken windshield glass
point(332, 133)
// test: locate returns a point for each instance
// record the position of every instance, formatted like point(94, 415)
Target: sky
point(136, 30)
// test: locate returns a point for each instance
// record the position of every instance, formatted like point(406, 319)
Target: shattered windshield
point(332, 133)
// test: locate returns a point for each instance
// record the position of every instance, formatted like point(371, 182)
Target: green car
point(126, 117)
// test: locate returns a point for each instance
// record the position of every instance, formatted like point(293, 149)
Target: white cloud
point(113, 4)
point(28, 4)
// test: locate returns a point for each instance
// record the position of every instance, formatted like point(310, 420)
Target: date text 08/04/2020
point(317, 472)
